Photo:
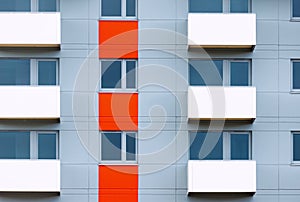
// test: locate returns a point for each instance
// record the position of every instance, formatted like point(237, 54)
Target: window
point(296, 8)
point(219, 6)
point(296, 146)
point(296, 74)
point(28, 72)
point(118, 8)
point(220, 146)
point(28, 5)
point(219, 72)
point(28, 145)
point(118, 74)
point(118, 146)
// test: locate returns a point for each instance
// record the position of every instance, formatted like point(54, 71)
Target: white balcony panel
point(29, 175)
point(212, 176)
point(29, 102)
point(218, 102)
point(22, 29)
point(221, 30)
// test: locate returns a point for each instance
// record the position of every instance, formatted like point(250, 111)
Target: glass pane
point(47, 5)
point(47, 73)
point(206, 146)
point(206, 72)
point(296, 75)
point(130, 8)
point(47, 146)
point(239, 73)
point(296, 8)
point(111, 146)
point(14, 145)
point(239, 144)
point(296, 147)
point(205, 6)
point(130, 147)
point(111, 8)
point(130, 74)
point(15, 5)
point(111, 74)
point(14, 72)
point(239, 6)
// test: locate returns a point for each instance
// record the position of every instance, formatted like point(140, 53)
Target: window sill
point(295, 19)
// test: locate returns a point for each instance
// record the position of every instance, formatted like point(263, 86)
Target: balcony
point(21, 29)
point(29, 102)
point(217, 176)
point(29, 175)
point(221, 30)
point(218, 102)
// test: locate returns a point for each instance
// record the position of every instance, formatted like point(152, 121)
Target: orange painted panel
point(118, 111)
point(118, 39)
point(118, 182)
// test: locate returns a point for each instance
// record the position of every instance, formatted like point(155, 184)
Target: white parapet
point(29, 102)
point(221, 30)
point(28, 29)
point(29, 176)
point(217, 176)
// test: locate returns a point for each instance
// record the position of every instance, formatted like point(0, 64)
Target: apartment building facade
point(138, 100)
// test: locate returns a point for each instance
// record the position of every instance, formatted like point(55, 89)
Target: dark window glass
point(130, 74)
point(47, 146)
point(47, 73)
point(47, 5)
point(130, 147)
point(296, 8)
point(15, 5)
point(14, 145)
point(205, 6)
point(239, 6)
point(111, 146)
point(206, 72)
point(130, 8)
point(111, 74)
point(296, 75)
point(239, 144)
point(14, 72)
point(111, 8)
point(239, 73)
point(296, 147)
point(206, 146)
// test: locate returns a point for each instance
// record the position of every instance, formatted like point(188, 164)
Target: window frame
point(226, 7)
point(226, 143)
point(123, 76)
point(294, 163)
point(34, 7)
point(123, 148)
point(293, 19)
point(292, 89)
point(123, 12)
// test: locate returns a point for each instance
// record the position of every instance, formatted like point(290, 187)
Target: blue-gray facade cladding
point(162, 87)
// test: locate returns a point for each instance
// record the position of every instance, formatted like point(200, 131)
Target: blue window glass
point(47, 73)
point(130, 8)
point(47, 5)
point(111, 74)
point(205, 6)
point(14, 72)
point(239, 144)
point(206, 73)
point(130, 147)
point(47, 146)
point(15, 5)
point(296, 147)
point(111, 146)
point(239, 6)
point(111, 8)
point(296, 8)
point(130, 74)
point(239, 73)
point(296, 75)
point(206, 146)
point(14, 145)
